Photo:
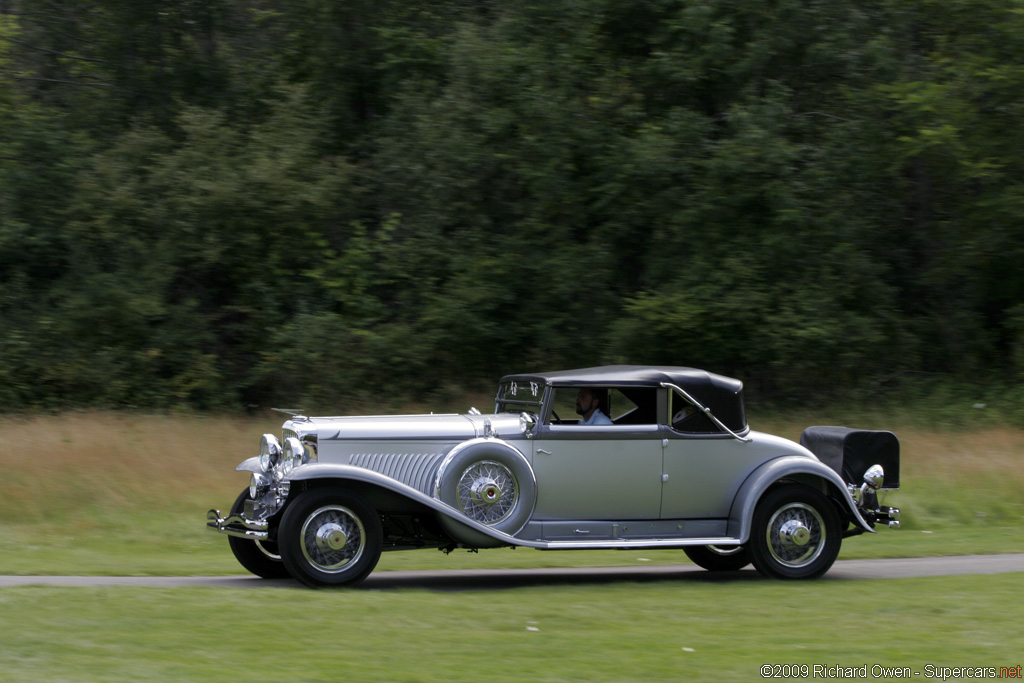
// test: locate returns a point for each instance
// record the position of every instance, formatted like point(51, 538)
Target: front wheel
point(795, 534)
point(718, 558)
point(259, 557)
point(330, 537)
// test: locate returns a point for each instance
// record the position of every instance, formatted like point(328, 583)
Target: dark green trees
point(232, 203)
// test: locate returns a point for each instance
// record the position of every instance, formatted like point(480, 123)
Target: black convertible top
point(723, 395)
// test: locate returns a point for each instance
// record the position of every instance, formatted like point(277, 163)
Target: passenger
point(588, 402)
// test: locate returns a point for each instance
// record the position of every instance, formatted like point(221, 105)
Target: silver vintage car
point(607, 457)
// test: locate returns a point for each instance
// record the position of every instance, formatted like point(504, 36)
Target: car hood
point(419, 427)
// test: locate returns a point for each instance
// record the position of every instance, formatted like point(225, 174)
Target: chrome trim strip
point(704, 409)
point(613, 544)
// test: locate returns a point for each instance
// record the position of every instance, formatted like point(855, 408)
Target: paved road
point(497, 579)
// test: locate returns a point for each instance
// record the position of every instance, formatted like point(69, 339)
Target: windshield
point(515, 397)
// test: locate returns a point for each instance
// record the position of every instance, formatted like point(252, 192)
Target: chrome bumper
point(237, 525)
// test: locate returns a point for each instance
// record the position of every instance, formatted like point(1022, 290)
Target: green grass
point(670, 630)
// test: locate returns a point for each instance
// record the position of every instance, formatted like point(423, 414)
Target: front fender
point(348, 472)
point(741, 514)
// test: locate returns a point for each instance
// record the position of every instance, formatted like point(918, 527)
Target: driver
point(588, 406)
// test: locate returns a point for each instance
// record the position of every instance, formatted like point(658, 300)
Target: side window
point(571, 405)
point(625, 405)
point(635, 406)
point(687, 418)
point(563, 406)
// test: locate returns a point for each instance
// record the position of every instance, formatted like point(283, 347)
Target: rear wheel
point(259, 557)
point(330, 537)
point(716, 558)
point(795, 534)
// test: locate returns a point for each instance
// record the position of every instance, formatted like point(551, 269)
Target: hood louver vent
point(412, 469)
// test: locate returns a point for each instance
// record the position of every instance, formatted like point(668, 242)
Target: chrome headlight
point(270, 452)
point(293, 455)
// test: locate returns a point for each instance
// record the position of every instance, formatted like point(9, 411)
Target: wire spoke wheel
point(330, 537)
point(333, 537)
point(487, 492)
point(717, 558)
point(796, 535)
point(725, 551)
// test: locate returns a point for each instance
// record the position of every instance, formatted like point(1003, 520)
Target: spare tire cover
point(489, 482)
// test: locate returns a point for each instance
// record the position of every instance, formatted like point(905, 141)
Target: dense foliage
point(222, 203)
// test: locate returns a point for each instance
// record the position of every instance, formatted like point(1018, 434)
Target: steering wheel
point(557, 420)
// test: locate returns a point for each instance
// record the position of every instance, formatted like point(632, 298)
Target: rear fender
point(799, 469)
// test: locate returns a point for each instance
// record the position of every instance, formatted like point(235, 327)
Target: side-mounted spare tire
point(489, 482)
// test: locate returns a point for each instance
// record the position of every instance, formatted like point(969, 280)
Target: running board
point(625, 544)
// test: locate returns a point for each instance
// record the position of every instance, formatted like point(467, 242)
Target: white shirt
point(597, 418)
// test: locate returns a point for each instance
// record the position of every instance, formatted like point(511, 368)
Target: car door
point(703, 473)
point(607, 472)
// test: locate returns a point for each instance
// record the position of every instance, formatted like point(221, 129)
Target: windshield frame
point(511, 397)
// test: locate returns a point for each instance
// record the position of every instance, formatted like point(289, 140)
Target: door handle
point(541, 450)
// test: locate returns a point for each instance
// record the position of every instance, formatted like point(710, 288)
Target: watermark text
point(882, 671)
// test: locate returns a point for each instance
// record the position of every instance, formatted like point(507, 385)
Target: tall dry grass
point(949, 477)
point(964, 478)
point(55, 467)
